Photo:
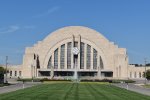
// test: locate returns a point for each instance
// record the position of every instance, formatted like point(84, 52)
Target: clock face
point(75, 50)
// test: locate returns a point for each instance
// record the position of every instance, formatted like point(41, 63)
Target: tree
point(147, 74)
point(2, 71)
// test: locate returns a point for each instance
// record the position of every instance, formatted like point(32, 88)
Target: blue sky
point(24, 22)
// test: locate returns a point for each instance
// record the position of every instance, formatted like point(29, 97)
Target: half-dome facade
point(75, 48)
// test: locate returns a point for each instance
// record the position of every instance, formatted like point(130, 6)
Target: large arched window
point(88, 61)
point(69, 45)
point(62, 57)
point(49, 63)
point(56, 59)
point(82, 56)
point(94, 59)
point(87, 54)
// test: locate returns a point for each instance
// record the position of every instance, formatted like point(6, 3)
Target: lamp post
point(6, 70)
point(145, 69)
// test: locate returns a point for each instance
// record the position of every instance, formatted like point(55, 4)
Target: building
point(75, 48)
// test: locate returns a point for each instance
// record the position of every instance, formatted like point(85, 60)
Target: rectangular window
point(56, 59)
point(69, 46)
point(49, 63)
point(82, 56)
point(88, 61)
point(15, 73)
point(94, 59)
point(62, 56)
point(10, 73)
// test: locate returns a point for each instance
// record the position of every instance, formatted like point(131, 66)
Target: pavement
point(16, 86)
point(134, 87)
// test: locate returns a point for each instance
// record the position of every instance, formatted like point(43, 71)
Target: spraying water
point(75, 75)
point(75, 52)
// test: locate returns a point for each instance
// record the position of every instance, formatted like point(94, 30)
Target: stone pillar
point(98, 60)
point(91, 57)
point(52, 72)
point(79, 46)
point(72, 55)
point(98, 66)
point(99, 72)
point(117, 72)
point(85, 56)
point(52, 67)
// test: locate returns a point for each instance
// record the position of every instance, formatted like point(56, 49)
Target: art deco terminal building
point(73, 48)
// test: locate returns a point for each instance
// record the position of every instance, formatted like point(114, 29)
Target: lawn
point(73, 91)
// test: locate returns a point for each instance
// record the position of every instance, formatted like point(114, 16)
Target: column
point(99, 72)
point(72, 56)
point(98, 65)
point(117, 72)
point(98, 60)
point(59, 57)
point(91, 57)
point(85, 56)
point(52, 66)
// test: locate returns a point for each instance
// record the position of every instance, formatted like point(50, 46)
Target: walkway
point(135, 88)
point(15, 87)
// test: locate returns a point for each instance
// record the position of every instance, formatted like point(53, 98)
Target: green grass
point(73, 91)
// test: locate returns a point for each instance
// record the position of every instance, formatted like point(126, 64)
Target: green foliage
point(2, 71)
point(40, 80)
point(123, 81)
point(147, 74)
point(73, 91)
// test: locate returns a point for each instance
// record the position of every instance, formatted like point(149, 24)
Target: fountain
point(75, 75)
point(75, 53)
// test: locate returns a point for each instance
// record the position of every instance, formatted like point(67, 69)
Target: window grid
point(69, 45)
point(94, 59)
point(10, 73)
point(82, 56)
point(62, 56)
point(56, 59)
point(49, 63)
point(88, 62)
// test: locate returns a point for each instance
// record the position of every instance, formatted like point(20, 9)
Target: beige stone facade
point(97, 58)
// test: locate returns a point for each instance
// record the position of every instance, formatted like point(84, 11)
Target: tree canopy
point(147, 74)
point(2, 71)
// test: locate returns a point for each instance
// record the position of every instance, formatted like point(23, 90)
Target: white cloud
point(10, 29)
point(14, 28)
point(50, 11)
